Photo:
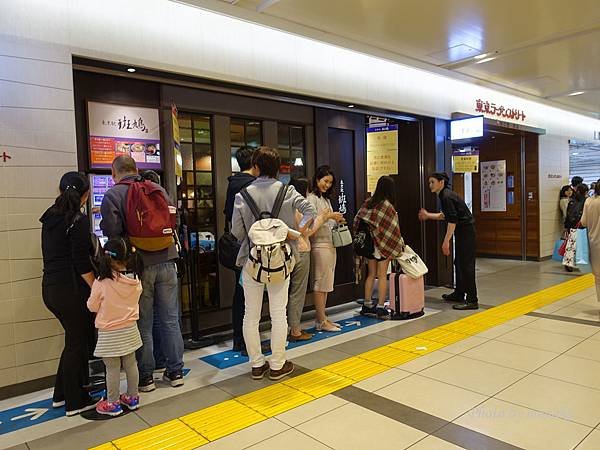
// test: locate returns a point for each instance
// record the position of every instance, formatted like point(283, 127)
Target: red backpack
point(149, 218)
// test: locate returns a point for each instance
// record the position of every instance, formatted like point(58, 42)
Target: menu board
point(382, 153)
point(116, 130)
point(493, 186)
point(99, 185)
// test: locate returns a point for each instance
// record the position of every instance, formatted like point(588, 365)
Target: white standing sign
point(493, 186)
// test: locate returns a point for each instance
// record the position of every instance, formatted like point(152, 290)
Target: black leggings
point(65, 296)
point(464, 260)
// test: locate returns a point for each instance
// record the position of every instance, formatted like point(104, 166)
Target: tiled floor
point(532, 382)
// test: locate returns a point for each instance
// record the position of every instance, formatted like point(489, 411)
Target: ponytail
point(73, 186)
point(118, 250)
point(441, 176)
point(69, 204)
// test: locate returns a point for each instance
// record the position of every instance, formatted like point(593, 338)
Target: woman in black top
point(461, 225)
point(68, 276)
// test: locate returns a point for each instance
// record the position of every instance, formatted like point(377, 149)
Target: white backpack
point(271, 259)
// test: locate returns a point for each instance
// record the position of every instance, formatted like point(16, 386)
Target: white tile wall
point(554, 159)
point(37, 128)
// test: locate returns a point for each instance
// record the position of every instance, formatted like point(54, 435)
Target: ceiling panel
point(544, 47)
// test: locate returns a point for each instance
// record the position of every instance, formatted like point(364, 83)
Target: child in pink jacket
point(115, 300)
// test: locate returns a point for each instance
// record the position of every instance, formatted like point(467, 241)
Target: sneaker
point(454, 297)
point(146, 384)
point(382, 312)
point(58, 404)
point(107, 408)
point(89, 404)
point(287, 369)
point(367, 311)
point(130, 402)
point(175, 379)
point(258, 373)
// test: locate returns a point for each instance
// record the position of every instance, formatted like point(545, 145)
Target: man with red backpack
point(140, 210)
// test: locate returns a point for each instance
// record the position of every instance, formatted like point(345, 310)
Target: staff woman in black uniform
point(461, 225)
point(68, 276)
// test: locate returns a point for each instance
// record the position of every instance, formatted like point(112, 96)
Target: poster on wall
point(382, 153)
point(465, 160)
point(116, 130)
point(493, 186)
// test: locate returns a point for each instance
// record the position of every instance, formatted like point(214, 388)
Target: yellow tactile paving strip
point(209, 424)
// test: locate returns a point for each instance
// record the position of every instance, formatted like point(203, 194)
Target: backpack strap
point(251, 203)
point(279, 201)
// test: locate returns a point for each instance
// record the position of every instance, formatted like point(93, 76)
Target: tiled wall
point(554, 160)
point(37, 129)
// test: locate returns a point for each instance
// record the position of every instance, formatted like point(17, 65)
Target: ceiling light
point(481, 61)
point(483, 55)
point(130, 70)
point(575, 154)
point(350, 106)
point(576, 93)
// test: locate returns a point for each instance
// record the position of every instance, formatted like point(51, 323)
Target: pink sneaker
point(109, 409)
point(130, 402)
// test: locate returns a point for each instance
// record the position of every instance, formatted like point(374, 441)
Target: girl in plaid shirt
point(380, 215)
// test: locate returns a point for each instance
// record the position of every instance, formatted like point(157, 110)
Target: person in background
point(576, 181)
point(301, 272)
point(323, 253)
point(115, 300)
point(591, 220)
point(575, 211)
point(264, 191)
point(565, 196)
point(461, 225)
point(379, 214)
point(236, 183)
point(159, 283)
point(66, 282)
point(160, 360)
point(592, 191)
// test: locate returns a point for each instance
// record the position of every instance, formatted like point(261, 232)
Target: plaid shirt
point(385, 228)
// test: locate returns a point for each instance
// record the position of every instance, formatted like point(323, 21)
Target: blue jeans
point(159, 283)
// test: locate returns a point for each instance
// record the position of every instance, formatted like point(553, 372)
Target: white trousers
point(278, 299)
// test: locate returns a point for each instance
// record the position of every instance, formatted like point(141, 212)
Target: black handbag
point(363, 240)
point(228, 248)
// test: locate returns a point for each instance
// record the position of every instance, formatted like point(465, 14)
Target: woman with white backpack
point(264, 221)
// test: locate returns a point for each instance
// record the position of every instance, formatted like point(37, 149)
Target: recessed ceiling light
point(350, 106)
point(130, 70)
point(483, 55)
point(576, 93)
point(481, 61)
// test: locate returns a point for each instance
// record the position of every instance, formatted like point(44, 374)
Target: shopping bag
point(556, 255)
point(569, 259)
point(582, 250)
point(411, 264)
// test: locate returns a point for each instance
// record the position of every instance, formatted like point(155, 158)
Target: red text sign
point(486, 107)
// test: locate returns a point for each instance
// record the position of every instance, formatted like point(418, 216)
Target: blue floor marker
point(229, 358)
point(24, 416)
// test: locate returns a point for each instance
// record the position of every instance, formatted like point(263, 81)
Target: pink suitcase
point(407, 296)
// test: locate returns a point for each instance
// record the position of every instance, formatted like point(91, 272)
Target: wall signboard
point(116, 130)
point(382, 153)
point(493, 186)
point(493, 109)
point(465, 161)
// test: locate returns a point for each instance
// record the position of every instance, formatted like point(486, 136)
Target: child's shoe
point(130, 402)
point(109, 408)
